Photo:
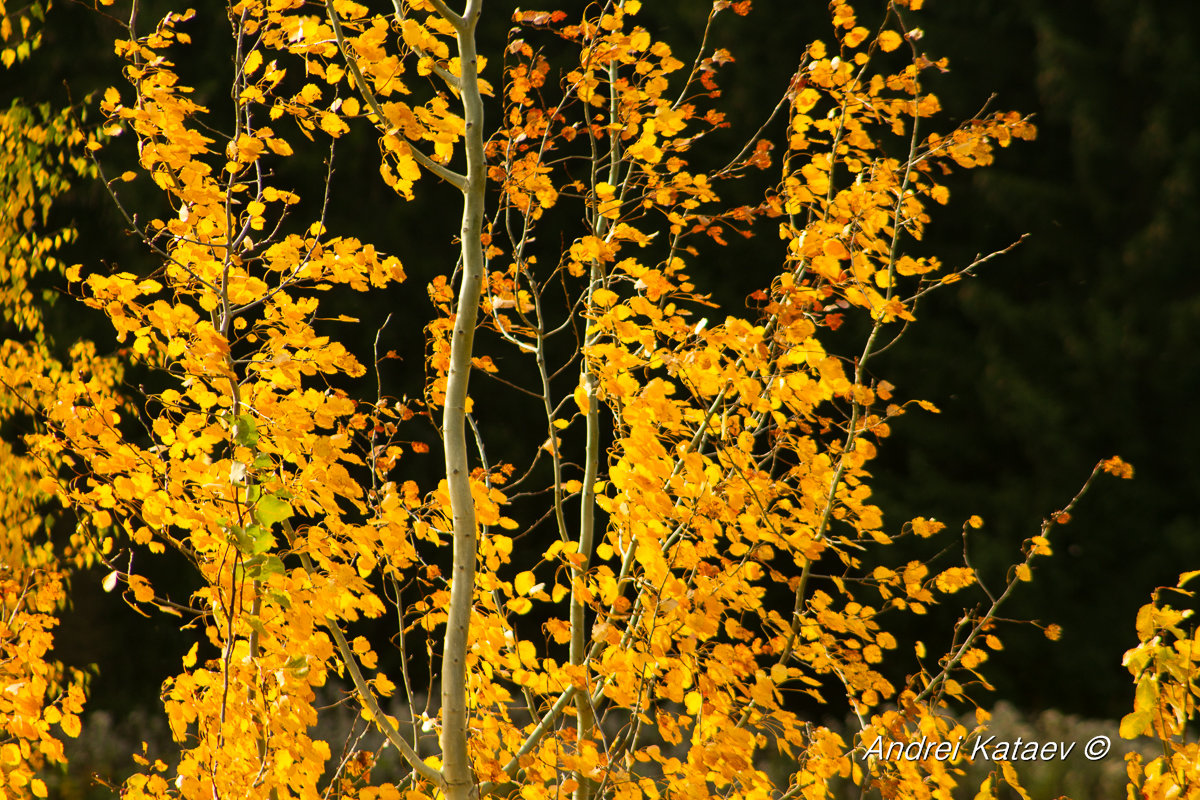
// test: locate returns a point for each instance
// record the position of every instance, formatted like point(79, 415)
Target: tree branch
point(445, 173)
point(365, 693)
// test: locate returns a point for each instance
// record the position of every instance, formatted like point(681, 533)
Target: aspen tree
point(705, 552)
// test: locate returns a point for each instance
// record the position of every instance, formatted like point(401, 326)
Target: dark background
point(1077, 346)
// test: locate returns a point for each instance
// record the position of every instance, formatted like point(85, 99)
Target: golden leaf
point(889, 41)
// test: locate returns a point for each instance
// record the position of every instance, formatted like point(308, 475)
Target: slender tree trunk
point(456, 766)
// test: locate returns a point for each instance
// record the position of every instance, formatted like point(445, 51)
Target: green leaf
point(256, 623)
point(241, 540)
point(281, 598)
point(263, 564)
point(252, 540)
point(272, 509)
point(261, 539)
point(245, 431)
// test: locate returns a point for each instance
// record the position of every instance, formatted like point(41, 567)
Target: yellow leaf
point(333, 125)
point(1010, 777)
point(1117, 466)
point(70, 725)
point(807, 99)
point(973, 658)
point(527, 653)
point(694, 702)
point(926, 527)
point(142, 591)
point(855, 37)
point(604, 297)
point(581, 398)
point(519, 605)
point(955, 578)
point(835, 249)
point(1135, 724)
point(253, 62)
point(310, 93)
point(38, 787)
point(189, 660)
point(524, 582)
point(889, 41)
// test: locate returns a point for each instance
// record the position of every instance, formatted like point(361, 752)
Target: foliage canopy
point(597, 596)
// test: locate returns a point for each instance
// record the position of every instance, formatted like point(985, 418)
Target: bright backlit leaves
point(40, 700)
point(717, 558)
point(1163, 666)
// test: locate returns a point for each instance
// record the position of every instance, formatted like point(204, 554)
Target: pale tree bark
point(456, 766)
point(456, 779)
